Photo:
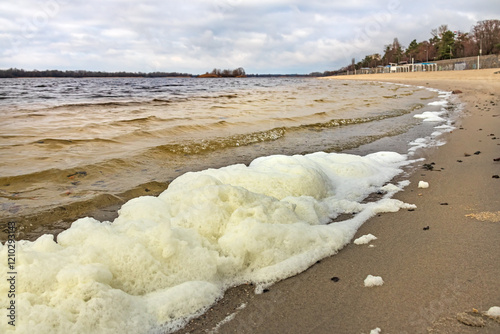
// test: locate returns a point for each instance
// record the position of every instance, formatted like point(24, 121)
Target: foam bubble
point(423, 184)
point(493, 311)
point(440, 102)
point(168, 258)
point(365, 239)
point(430, 116)
point(371, 281)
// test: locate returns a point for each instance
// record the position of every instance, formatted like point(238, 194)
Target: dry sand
point(439, 262)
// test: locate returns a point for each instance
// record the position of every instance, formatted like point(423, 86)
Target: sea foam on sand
point(423, 184)
point(168, 258)
point(373, 281)
point(493, 311)
point(365, 239)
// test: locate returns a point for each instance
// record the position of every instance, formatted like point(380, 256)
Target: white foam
point(431, 116)
point(222, 322)
point(390, 188)
point(371, 281)
point(442, 116)
point(376, 331)
point(227, 319)
point(167, 258)
point(423, 184)
point(493, 311)
point(363, 240)
point(440, 102)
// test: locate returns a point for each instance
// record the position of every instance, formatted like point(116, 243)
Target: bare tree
point(487, 36)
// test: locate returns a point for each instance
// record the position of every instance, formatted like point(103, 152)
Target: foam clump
point(423, 184)
point(365, 239)
point(493, 311)
point(430, 116)
point(168, 258)
point(371, 281)
point(376, 331)
point(440, 102)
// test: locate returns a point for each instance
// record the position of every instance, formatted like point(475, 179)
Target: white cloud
point(260, 35)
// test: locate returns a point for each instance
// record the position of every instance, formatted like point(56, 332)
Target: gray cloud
point(263, 36)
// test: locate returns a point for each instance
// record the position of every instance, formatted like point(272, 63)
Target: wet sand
point(439, 262)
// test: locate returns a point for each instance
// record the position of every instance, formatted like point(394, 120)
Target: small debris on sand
point(428, 166)
point(470, 319)
point(493, 217)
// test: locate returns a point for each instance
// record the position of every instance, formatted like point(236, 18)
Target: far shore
point(439, 262)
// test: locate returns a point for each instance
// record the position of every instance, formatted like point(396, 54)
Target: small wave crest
point(236, 140)
point(209, 145)
point(58, 141)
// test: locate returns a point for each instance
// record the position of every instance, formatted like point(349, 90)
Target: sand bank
point(439, 263)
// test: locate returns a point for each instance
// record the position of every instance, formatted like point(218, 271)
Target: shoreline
point(438, 262)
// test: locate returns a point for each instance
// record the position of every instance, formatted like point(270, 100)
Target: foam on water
point(444, 117)
point(167, 258)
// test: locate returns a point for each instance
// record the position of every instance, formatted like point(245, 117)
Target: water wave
point(237, 140)
point(58, 141)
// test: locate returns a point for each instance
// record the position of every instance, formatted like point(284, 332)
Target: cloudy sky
point(262, 36)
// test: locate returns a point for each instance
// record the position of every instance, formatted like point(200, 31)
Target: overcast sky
point(262, 36)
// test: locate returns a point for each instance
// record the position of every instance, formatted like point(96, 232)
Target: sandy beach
point(439, 262)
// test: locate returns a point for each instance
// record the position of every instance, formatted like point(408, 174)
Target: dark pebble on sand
point(335, 279)
point(265, 290)
point(496, 159)
point(411, 209)
point(496, 177)
point(444, 203)
point(428, 166)
point(459, 160)
point(426, 228)
point(477, 152)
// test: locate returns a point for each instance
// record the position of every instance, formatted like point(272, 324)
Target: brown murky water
point(75, 145)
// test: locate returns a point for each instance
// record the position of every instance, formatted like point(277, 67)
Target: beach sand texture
point(439, 262)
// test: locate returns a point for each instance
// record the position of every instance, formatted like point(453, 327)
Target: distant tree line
point(483, 38)
point(218, 73)
point(19, 73)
